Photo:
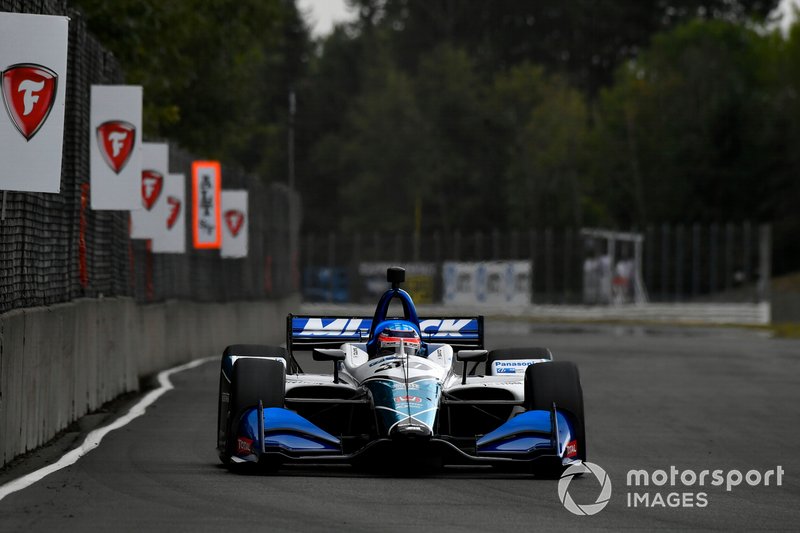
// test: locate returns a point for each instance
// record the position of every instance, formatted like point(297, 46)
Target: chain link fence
point(54, 248)
point(676, 263)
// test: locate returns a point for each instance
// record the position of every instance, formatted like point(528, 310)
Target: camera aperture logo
point(586, 509)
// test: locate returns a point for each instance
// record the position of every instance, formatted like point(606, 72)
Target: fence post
point(664, 262)
point(478, 246)
point(398, 247)
point(713, 235)
point(747, 251)
point(331, 263)
point(679, 258)
point(353, 281)
point(567, 265)
point(457, 246)
point(532, 255)
point(764, 262)
point(496, 244)
point(548, 263)
point(649, 274)
point(695, 260)
point(514, 245)
point(728, 255)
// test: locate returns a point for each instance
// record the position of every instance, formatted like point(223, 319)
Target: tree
point(216, 84)
point(585, 40)
point(547, 125)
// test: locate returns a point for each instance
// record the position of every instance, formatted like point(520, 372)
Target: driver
point(395, 334)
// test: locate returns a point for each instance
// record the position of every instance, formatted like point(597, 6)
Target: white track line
point(95, 436)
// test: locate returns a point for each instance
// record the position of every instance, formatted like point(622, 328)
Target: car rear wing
point(304, 333)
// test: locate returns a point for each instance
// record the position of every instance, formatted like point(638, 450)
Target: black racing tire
point(256, 350)
point(254, 380)
point(224, 411)
point(557, 382)
point(515, 354)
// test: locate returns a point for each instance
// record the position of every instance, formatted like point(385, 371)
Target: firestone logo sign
point(29, 92)
point(116, 139)
point(152, 184)
point(234, 219)
point(174, 210)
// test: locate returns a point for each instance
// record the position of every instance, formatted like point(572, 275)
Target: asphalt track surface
point(655, 398)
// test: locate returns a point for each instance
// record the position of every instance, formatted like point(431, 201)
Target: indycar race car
point(395, 393)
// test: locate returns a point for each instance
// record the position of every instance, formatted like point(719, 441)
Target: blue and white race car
point(395, 393)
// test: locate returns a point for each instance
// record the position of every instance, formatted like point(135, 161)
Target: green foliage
point(215, 73)
point(486, 115)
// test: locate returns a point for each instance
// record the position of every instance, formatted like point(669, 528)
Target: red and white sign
point(33, 76)
point(115, 141)
point(172, 239)
point(244, 446)
point(206, 204)
point(571, 449)
point(29, 92)
point(176, 209)
point(115, 154)
point(152, 185)
point(147, 222)
point(234, 219)
point(235, 224)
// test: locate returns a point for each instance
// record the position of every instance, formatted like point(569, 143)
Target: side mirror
point(470, 355)
point(320, 354)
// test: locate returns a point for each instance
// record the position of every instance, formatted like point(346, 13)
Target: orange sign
point(207, 204)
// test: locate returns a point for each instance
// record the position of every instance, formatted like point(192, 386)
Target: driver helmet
point(396, 334)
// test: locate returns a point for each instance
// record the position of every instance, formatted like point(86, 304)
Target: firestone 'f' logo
point(29, 92)
point(116, 139)
point(152, 183)
point(235, 220)
point(174, 210)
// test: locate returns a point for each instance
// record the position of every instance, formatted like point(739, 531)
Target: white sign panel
point(115, 142)
point(459, 283)
point(506, 283)
point(206, 204)
point(172, 238)
point(33, 70)
point(148, 221)
point(235, 224)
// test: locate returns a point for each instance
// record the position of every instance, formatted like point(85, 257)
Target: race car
point(397, 393)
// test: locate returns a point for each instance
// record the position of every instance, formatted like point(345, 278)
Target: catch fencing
point(723, 263)
point(54, 248)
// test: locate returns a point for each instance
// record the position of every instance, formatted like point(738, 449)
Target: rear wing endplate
point(305, 332)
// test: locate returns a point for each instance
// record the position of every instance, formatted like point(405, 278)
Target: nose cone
point(410, 430)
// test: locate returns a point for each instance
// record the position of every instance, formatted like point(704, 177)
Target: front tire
point(558, 382)
point(253, 380)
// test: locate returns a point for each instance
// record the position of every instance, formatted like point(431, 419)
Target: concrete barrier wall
point(59, 363)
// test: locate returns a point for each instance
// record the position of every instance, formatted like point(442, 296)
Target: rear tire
point(256, 350)
point(253, 380)
point(516, 354)
point(224, 408)
point(558, 382)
